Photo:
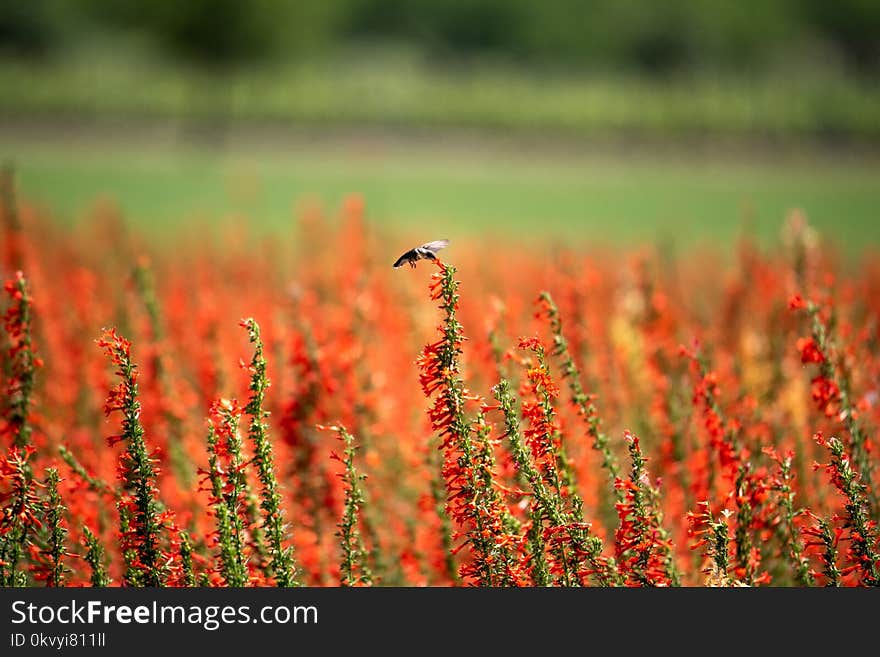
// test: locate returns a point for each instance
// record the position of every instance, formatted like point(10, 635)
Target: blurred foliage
point(636, 36)
point(28, 28)
point(211, 33)
point(397, 93)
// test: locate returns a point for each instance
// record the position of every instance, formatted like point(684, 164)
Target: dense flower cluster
point(568, 440)
point(642, 545)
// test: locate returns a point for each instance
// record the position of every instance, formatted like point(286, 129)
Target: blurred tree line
point(634, 36)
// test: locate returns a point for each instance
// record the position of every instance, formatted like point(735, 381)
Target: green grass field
point(431, 187)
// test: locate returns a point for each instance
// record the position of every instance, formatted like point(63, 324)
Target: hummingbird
point(426, 251)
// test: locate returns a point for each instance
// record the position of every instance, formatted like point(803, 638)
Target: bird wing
point(402, 260)
point(435, 246)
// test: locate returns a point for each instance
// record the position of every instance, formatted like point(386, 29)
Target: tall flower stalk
point(543, 434)
point(354, 568)
point(577, 553)
point(793, 546)
point(19, 514)
point(142, 520)
point(23, 363)
point(830, 390)
point(862, 552)
point(53, 569)
point(229, 493)
point(746, 489)
point(281, 556)
point(19, 503)
point(472, 499)
point(642, 546)
point(582, 402)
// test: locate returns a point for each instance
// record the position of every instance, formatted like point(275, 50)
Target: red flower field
point(226, 411)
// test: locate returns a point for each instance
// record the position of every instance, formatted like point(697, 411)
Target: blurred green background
point(618, 120)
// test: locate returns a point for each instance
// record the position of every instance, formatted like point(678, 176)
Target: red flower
point(826, 394)
point(532, 344)
point(809, 350)
point(797, 303)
